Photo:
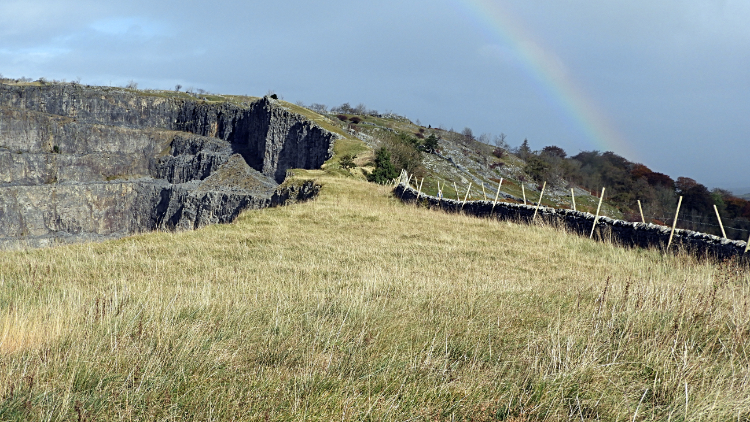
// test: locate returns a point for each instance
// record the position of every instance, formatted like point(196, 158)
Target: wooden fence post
point(596, 218)
point(573, 197)
point(674, 224)
point(720, 223)
point(419, 189)
point(540, 201)
point(497, 194)
point(465, 197)
point(483, 192)
point(406, 186)
point(458, 195)
point(747, 245)
point(643, 220)
point(523, 190)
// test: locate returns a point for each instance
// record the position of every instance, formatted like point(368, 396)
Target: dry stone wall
point(624, 232)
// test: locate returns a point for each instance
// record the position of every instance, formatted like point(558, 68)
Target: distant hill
point(743, 193)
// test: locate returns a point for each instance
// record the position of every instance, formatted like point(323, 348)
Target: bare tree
point(318, 108)
point(500, 141)
point(468, 134)
point(178, 87)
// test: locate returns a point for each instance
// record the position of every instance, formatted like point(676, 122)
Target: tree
point(554, 151)
point(524, 151)
point(430, 144)
point(500, 141)
point(639, 170)
point(345, 108)
point(537, 168)
point(384, 171)
point(660, 179)
point(178, 87)
point(318, 108)
point(468, 134)
point(698, 198)
point(684, 184)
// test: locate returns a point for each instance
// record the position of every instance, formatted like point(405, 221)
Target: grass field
point(357, 307)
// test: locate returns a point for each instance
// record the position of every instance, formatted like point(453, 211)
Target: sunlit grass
point(355, 306)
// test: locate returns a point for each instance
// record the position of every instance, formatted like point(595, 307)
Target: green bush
point(347, 162)
point(537, 168)
point(430, 144)
point(384, 171)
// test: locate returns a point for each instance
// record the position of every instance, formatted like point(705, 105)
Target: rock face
point(81, 163)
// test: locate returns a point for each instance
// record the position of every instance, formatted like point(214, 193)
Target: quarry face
point(83, 163)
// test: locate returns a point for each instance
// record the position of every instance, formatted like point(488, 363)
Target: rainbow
point(546, 70)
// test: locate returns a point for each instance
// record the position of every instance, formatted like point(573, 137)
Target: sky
point(665, 83)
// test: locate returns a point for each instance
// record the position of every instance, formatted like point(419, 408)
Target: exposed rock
point(81, 163)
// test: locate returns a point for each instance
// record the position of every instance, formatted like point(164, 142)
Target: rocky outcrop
point(81, 163)
point(625, 232)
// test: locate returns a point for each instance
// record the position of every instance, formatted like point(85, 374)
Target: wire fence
point(733, 225)
point(702, 223)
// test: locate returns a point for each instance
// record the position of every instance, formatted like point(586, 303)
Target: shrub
point(347, 162)
point(355, 119)
point(430, 144)
point(468, 134)
point(342, 117)
point(384, 171)
point(499, 152)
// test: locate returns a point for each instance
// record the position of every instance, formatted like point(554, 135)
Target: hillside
point(459, 162)
point(83, 163)
point(355, 306)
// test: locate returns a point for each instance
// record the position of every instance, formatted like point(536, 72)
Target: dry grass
point(357, 307)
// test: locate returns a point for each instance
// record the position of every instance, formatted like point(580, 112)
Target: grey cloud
point(670, 75)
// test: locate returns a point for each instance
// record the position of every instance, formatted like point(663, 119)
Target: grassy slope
point(355, 306)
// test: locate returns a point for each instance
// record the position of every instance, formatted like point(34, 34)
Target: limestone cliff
point(83, 163)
